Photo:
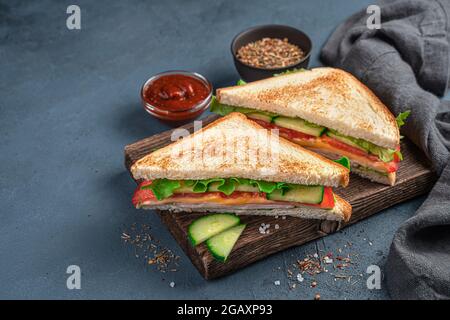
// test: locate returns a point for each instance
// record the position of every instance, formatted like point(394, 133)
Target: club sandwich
point(326, 110)
point(235, 165)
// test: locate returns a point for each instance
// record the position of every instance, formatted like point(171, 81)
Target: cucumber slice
point(205, 227)
point(301, 125)
point(260, 116)
point(221, 245)
point(302, 194)
point(345, 140)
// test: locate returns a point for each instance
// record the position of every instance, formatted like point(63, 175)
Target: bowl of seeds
point(263, 51)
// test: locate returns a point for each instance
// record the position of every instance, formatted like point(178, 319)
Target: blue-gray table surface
point(69, 103)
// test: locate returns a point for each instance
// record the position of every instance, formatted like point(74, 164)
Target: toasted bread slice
point(342, 210)
point(326, 96)
point(234, 146)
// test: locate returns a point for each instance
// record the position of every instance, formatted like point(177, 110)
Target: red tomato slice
point(142, 195)
point(391, 166)
point(327, 201)
point(396, 158)
point(343, 146)
point(328, 198)
point(287, 133)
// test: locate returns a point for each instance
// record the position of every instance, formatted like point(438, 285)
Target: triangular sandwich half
point(326, 110)
point(234, 165)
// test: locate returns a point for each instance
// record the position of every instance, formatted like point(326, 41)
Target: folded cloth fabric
point(407, 64)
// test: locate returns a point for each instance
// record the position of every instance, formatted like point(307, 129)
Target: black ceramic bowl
point(295, 36)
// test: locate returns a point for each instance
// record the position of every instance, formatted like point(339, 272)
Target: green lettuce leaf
point(201, 186)
point(344, 161)
point(264, 186)
point(227, 187)
point(219, 108)
point(284, 187)
point(241, 82)
point(402, 117)
point(224, 109)
point(163, 188)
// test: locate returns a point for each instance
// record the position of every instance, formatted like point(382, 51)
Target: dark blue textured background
point(69, 103)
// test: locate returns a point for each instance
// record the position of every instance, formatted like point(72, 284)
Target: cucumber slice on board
point(221, 245)
point(302, 194)
point(300, 125)
point(205, 227)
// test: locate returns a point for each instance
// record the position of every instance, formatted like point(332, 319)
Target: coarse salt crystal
point(300, 278)
point(277, 226)
point(172, 284)
point(277, 282)
point(327, 260)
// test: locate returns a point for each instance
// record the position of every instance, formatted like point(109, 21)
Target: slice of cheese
point(215, 197)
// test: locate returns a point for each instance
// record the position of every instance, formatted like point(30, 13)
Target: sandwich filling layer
point(368, 155)
point(231, 192)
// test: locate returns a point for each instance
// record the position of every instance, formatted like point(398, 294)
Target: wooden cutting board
point(413, 179)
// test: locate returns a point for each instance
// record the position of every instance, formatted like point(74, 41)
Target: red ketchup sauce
point(176, 96)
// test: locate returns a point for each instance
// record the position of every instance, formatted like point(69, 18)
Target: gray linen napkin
point(407, 63)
